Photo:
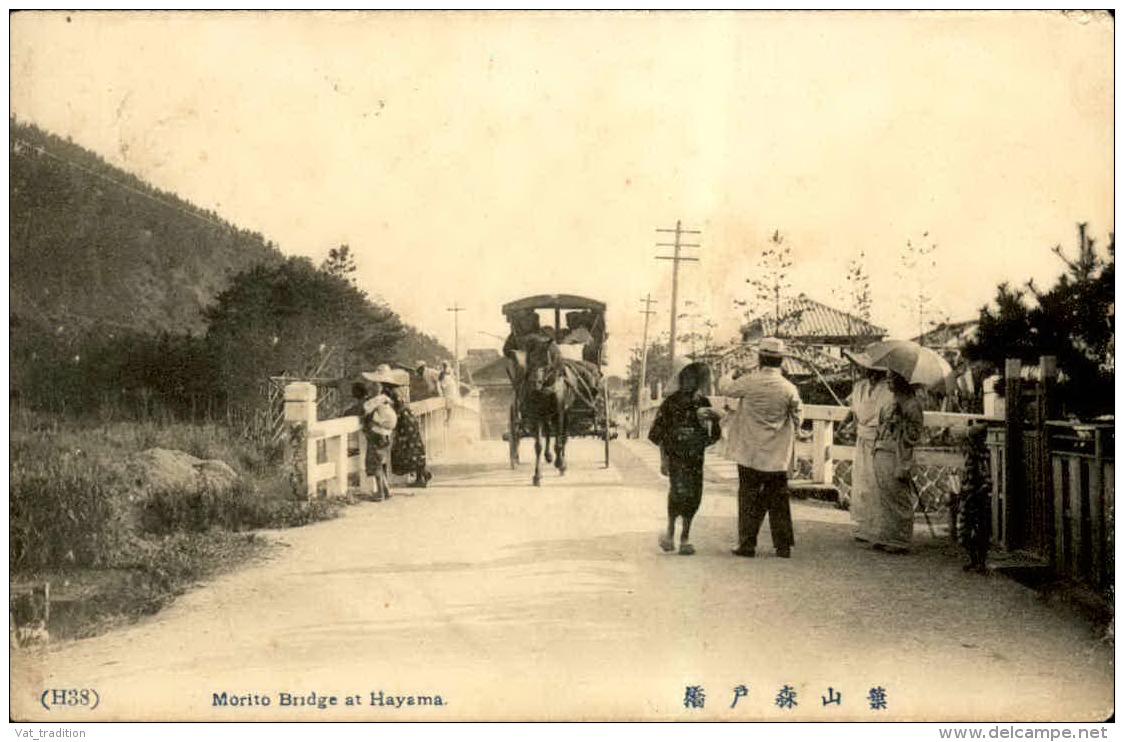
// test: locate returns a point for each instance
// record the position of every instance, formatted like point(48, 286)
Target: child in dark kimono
point(975, 500)
point(685, 425)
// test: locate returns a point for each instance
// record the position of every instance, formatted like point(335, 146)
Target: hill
point(92, 245)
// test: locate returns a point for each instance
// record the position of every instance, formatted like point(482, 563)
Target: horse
point(545, 398)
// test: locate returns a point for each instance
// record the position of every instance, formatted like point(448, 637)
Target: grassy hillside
point(91, 244)
point(110, 282)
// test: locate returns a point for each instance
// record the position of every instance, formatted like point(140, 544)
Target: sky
point(478, 157)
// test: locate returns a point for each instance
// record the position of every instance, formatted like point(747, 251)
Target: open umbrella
point(914, 363)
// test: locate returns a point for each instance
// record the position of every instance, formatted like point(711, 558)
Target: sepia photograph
point(562, 366)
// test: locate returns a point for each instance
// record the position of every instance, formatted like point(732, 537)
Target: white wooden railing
point(822, 450)
point(325, 457)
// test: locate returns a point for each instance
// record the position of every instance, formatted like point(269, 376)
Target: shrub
point(171, 562)
point(68, 505)
point(238, 508)
point(63, 510)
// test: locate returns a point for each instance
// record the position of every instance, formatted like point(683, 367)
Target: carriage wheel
point(513, 437)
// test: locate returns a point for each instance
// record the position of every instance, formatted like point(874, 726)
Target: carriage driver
point(524, 326)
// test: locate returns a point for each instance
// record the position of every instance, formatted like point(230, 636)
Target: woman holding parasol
point(897, 433)
point(870, 394)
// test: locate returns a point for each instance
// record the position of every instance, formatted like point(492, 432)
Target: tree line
point(1074, 320)
point(131, 302)
point(290, 319)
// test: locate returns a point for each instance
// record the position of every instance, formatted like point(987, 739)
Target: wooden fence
point(325, 457)
point(1082, 502)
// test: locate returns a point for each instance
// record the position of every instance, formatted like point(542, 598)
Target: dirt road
point(505, 601)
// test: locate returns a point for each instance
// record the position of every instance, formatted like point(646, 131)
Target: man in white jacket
point(761, 434)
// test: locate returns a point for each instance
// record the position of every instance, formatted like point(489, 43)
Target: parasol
point(914, 363)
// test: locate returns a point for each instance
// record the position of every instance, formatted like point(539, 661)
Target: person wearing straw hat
point(377, 421)
point(762, 434)
point(870, 394)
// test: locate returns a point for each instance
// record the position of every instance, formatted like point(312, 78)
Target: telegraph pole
point(643, 356)
point(456, 310)
point(676, 258)
point(691, 316)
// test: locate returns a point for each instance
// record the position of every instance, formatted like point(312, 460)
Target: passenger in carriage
point(577, 329)
point(579, 333)
point(585, 328)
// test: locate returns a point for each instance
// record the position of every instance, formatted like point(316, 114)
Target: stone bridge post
point(300, 452)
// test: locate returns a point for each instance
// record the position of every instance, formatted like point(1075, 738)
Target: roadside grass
point(111, 555)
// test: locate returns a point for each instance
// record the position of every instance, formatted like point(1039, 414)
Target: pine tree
point(340, 262)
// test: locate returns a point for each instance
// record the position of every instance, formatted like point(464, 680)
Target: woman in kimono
point(870, 394)
point(407, 451)
point(898, 433)
point(685, 425)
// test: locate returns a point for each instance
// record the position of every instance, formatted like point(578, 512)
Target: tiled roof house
point(951, 335)
point(816, 334)
point(813, 323)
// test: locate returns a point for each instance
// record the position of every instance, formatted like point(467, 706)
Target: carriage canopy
point(553, 301)
point(570, 319)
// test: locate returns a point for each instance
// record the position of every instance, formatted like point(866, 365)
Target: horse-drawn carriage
point(555, 353)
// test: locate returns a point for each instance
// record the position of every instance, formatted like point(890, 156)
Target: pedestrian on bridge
point(449, 386)
point(685, 425)
point(377, 422)
point(407, 451)
point(761, 434)
point(424, 383)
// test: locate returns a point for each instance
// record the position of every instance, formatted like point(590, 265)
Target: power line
point(119, 184)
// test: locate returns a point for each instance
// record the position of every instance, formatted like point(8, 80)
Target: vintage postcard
point(561, 366)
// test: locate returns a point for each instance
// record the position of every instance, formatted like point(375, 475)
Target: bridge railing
point(823, 454)
point(820, 460)
point(326, 457)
